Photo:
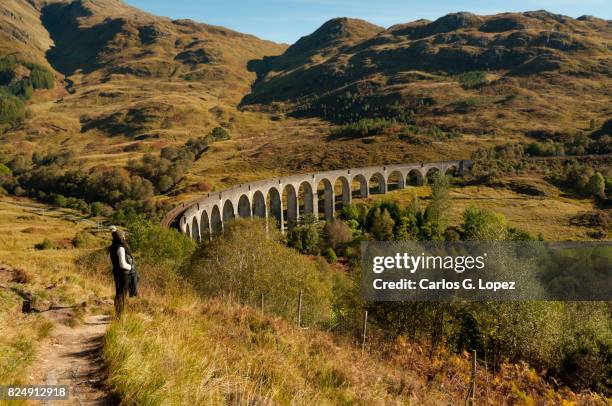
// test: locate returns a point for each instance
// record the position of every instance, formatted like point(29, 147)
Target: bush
point(96, 209)
point(21, 276)
point(83, 239)
point(330, 255)
point(248, 261)
point(350, 212)
point(11, 109)
point(60, 201)
point(483, 225)
point(337, 234)
point(45, 245)
point(23, 89)
point(42, 78)
point(382, 225)
point(220, 134)
point(597, 185)
point(158, 244)
point(472, 80)
point(364, 127)
point(304, 238)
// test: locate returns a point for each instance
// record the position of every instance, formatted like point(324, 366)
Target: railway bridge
point(288, 198)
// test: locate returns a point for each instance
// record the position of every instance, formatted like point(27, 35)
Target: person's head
point(117, 234)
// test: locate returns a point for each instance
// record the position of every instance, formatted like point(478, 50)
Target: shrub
point(304, 238)
point(23, 89)
point(164, 183)
point(45, 245)
point(83, 239)
point(158, 244)
point(42, 78)
point(96, 208)
point(382, 225)
point(204, 186)
point(472, 80)
point(220, 134)
point(248, 261)
point(350, 212)
point(597, 185)
point(21, 276)
point(60, 201)
point(364, 127)
point(337, 233)
point(330, 255)
point(483, 225)
point(11, 109)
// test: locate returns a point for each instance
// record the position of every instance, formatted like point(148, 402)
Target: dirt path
point(72, 357)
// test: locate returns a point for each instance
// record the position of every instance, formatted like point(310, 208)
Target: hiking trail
point(72, 356)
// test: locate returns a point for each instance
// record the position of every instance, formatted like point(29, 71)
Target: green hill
point(509, 73)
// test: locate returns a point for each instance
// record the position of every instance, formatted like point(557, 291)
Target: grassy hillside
point(128, 82)
point(199, 336)
point(506, 74)
point(185, 339)
point(21, 32)
point(47, 275)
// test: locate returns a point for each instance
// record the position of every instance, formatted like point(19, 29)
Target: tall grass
point(187, 341)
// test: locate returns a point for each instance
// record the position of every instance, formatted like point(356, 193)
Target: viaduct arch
point(288, 198)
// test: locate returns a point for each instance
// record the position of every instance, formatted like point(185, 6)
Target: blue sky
point(288, 20)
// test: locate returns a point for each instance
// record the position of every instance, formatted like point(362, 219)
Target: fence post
point(471, 399)
point(365, 329)
point(299, 310)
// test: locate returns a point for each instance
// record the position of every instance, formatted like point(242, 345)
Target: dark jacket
point(133, 276)
point(114, 255)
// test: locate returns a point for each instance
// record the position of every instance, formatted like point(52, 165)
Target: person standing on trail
point(122, 266)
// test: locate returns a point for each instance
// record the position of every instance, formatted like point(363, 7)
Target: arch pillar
point(311, 203)
point(276, 207)
point(195, 229)
point(347, 197)
point(328, 199)
point(293, 208)
point(364, 189)
point(205, 229)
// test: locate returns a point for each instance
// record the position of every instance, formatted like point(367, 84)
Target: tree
point(337, 233)
point(169, 152)
point(96, 208)
point(382, 225)
point(436, 212)
point(304, 238)
point(164, 183)
point(349, 212)
point(597, 185)
point(483, 225)
point(245, 271)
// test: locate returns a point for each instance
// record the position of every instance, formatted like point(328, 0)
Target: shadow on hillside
point(76, 48)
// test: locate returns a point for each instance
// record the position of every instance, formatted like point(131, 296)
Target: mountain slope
point(21, 31)
point(127, 75)
point(536, 67)
point(114, 39)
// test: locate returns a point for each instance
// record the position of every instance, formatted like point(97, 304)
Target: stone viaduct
point(287, 198)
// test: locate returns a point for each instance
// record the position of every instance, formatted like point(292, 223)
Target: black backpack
point(134, 278)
